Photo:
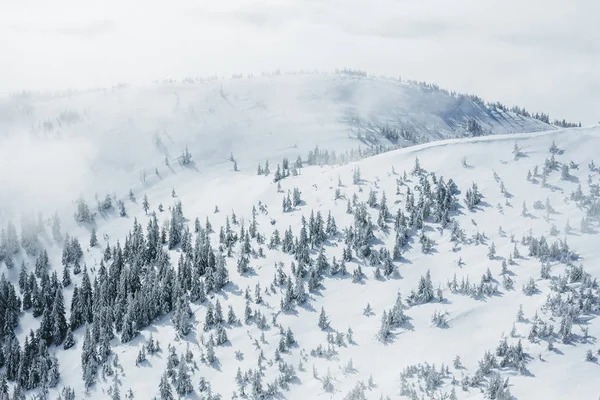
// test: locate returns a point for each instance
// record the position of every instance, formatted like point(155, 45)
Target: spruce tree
point(93, 238)
point(145, 204)
point(76, 317)
point(128, 328)
point(89, 360)
point(323, 320)
point(164, 388)
point(69, 340)
point(182, 316)
point(66, 278)
point(3, 387)
point(231, 317)
point(210, 351)
point(45, 330)
point(59, 320)
point(384, 329)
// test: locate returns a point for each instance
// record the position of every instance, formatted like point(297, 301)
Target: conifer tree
point(128, 328)
point(182, 316)
point(210, 350)
point(385, 328)
point(164, 388)
point(231, 317)
point(89, 361)
point(492, 251)
point(145, 204)
point(93, 238)
point(323, 320)
point(69, 340)
point(58, 318)
point(66, 278)
point(183, 383)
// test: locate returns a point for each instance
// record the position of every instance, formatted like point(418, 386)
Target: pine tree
point(183, 383)
point(86, 297)
point(209, 319)
point(3, 387)
point(76, 318)
point(221, 337)
point(424, 292)
point(520, 314)
point(172, 362)
point(524, 211)
point(323, 320)
point(296, 197)
point(218, 313)
point(164, 388)
point(385, 328)
point(247, 313)
point(221, 275)
point(145, 204)
point(46, 327)
point(176, 225)
point(299, 290)
point(69, 340)
point(231, 317)
point(89, 361)
point(66, 278)
point(356, 176)
point(257, 389)
point(492, 251)
point(59, 320)
point(210, 351)
point(287, 301)
point(93, 238)
point(116, 393)
point(182, 316)
point(128, 328)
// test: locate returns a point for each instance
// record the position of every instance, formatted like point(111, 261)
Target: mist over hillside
point(260, 266)
point(109, 140)
point(213, 200)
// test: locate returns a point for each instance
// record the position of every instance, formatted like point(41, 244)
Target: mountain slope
point(476, 318)
point(105, 140)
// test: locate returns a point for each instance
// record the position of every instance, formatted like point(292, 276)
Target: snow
point(104, 140)
point(271, 118)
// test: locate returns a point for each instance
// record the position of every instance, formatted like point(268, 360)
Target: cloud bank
point(541, 54)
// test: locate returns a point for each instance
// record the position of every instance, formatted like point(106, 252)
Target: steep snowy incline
point(110, 139)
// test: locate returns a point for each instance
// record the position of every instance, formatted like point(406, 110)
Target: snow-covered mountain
point(434, 271)
point(107, 139)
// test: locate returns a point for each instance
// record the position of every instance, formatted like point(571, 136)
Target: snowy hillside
point(401, 275)
point(109, 139)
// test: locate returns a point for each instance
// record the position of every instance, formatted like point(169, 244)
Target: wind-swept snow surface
point(105, 140)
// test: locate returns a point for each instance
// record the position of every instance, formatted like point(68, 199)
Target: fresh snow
point(105, 140)
point(271, 118)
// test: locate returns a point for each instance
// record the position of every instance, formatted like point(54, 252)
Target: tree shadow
point(307, 306)
point(572, 179)
point(557, 351)
point(232, 288)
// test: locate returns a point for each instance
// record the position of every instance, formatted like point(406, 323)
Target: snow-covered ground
point(76, 143)
point(271, 118)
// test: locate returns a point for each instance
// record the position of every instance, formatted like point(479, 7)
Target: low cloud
point(517, 52)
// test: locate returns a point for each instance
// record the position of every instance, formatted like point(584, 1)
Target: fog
point(541, 54)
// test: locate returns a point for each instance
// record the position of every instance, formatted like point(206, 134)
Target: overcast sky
point(544, 54)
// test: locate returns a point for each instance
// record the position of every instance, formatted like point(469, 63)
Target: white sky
point(544, 54)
